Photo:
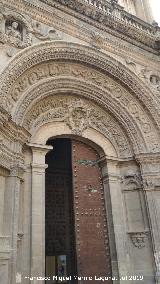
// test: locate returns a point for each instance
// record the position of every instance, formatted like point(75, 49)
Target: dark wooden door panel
point(93, 256)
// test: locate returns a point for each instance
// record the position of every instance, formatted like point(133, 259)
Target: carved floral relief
point(78, 115)
point(88, 75)
point(139, 239)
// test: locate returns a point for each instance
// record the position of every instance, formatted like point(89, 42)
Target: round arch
point(59, 129)
point(90, 74)
point(59, 50)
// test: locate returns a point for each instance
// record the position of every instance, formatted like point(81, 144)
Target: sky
point(155, 4)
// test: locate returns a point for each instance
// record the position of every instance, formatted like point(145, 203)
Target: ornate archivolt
point(79, 115)
point(73, 52)
point(59, 77)
point(51, 68)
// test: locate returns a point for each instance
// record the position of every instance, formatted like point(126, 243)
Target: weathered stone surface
point(88, 71)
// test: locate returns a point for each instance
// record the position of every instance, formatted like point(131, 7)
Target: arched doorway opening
point(76, 233)
point(59, 217)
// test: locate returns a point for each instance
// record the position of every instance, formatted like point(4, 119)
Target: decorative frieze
point(43, 32)
point(114, 16)
point(108, 16)
point(9, 103)
point(79, 115)
point(150, 171)
point(117, 92)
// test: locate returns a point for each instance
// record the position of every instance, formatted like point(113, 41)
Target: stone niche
point(15, 29)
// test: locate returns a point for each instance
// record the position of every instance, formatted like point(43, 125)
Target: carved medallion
point(78, 117)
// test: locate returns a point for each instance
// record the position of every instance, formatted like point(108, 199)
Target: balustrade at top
point(111, 8)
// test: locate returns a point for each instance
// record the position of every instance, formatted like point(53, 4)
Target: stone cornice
point(148, 158)
point(83, 29)
point(112, 18)
point(12, 139)
point(14, 132)
point(126, 26)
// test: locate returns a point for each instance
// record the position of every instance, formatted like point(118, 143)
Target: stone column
point(118, 214)
point(38, 211)
point(150, 171)
point(2, 192)
point(4, 240)
point(11, 212)
point(143, 10)
point(140, 12)
point(109, 215)
point(148, 11)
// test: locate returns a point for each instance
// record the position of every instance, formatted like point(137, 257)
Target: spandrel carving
point(43, 32)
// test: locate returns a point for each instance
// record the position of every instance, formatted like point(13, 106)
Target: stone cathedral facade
point(79, 142)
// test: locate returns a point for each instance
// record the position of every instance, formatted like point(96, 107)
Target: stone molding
point(113, 16)
point(150, 171)
point(78, 115)
point(38, 167)
point(151, 183)
point(38, 159)
point(105, 98)
point(131, 182)
point(53, 18)
point(63, 50)
point(71, 50)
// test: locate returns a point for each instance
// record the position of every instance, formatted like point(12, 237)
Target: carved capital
point(17, 170)
point(38, 156)
point(131, 182)
point(3, 172)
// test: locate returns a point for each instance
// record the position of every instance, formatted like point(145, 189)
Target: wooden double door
point(76, 235)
